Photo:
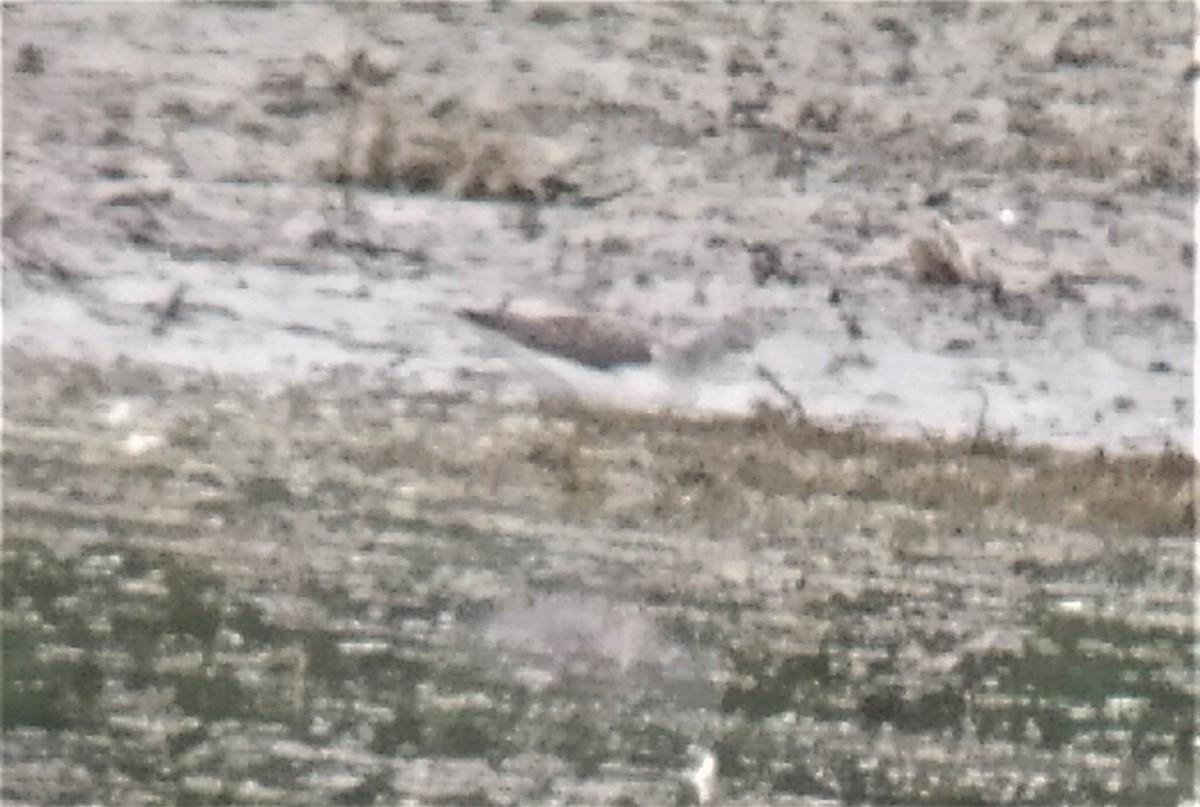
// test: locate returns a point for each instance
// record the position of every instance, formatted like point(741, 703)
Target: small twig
point(980, 440)
point(777, 385)
point(981, 424)
point(586, 201)
point(171, 311)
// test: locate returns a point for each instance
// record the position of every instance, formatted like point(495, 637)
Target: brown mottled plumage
point(579, 338)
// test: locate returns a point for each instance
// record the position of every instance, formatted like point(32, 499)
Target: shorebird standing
point(597, 360)
point(585, 340)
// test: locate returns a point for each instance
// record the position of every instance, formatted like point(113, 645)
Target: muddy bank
point(319, 186)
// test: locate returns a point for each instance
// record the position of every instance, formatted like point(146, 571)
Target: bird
point(588, 341)
point(593, 359)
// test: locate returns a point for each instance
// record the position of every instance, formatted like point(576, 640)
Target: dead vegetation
point(972, 478)
point(27, 252)
point(31, 60)
point(652, 468)
point(766, 264)
point(337, 506)
point(941, 260)
point(392, 142)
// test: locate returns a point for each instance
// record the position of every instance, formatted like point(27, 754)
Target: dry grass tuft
point(769, 474)
point(941, 260)
point(31, 60)
point(973, 479)
point(391, 143)
point(931, 265)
